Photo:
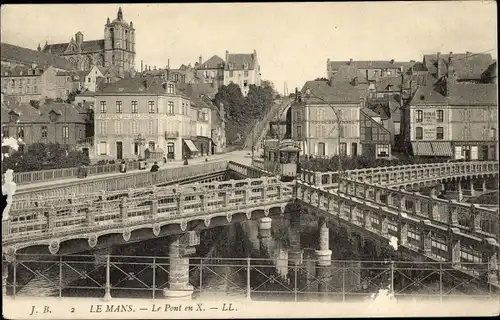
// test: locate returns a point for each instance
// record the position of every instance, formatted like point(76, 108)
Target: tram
point(282, 158)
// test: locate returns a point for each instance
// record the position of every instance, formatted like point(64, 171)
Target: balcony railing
point(171, 134)
point(163, 205)
point(85, 142)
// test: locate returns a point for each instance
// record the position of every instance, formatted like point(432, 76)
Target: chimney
point(142, 66)
point(350, 61)
point(168, 63)
point(39, 48)
point(154, 67)
point(451, 77)
point(200, 60)
point(366, 74)
point(145, 83)
point(392, 61)
point(79, 37)
point(450, 57)
point(467, 55)
point(227, 56)
point(438, 63)
point(149, 68)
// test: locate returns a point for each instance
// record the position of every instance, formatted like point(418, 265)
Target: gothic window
point(86, 63)
point(112, 37)
point(72, 61)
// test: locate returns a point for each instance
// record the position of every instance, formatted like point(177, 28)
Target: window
point(151, 106)
point(108, 79)
point(20, 132)
point(382, 150)
point(150, 127)
point(354, 149)
point(171, 107)
point(246, 73)
point(321, 149)
point(170, 88)
point(299, 132)
point(103, 146)
point(65, 134)
point(368, 133)
point(492, 134)
point(205, 74)
point(151, 146)
point(80, 134)
point(89, 80)
point(135, 127)
point(440, 133)
point(231, 74)
point(134, 106)
point(298, 116)
point(419, 134)
point(320, 131)
point(103, 106)
point(245, 83)
point(176, 77)
point(5, 131)
point(118, 107)
point(136, 148)
point(440, 116)
point(343, 148)
point(118, 127)
point(420, 115)
point(44, 131)
point(103, 128)
point(20, 148)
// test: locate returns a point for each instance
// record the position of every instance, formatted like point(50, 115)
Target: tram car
point(282, 158)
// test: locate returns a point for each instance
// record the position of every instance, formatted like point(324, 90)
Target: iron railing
point(257, 279)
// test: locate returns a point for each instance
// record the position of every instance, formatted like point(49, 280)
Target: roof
point(85, 46)
point(21, 71)
point(75, 75)
point(463, 94)
point(239, 59)
point(29, 56)
point(215, 62)
point(383, 83)
point(137, 85)
point(345, 93)
point(466, 65)
point(346, 74)
point(200, 94)
point(381, 64)
point(370, 112)
point(29, 114)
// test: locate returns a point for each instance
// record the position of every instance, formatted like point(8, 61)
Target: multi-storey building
point(210, 71)
point(134, 114)
point(51, 123)
point(469, 67)
point(185, 74)
point(34, 83)
point(14, 56)
point(315, 123)
point(454, 120)
point(116, 49)
point(242, 69)
point(371, 70)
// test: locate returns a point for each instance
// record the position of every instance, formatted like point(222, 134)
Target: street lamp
point(338, 120)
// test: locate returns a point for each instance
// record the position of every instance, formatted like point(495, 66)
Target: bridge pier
point(178, 287)
point(324, 256)
point(265, 239)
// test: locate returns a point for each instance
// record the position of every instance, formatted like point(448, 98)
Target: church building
point(117, 49)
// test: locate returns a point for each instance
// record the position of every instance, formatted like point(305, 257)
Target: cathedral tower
point(119, 43)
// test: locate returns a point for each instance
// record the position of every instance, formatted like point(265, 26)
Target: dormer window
point(170, 88)
point(13, 116)
point(206, 67)
point(245, 65)
point(231, 66)
point(53, 116)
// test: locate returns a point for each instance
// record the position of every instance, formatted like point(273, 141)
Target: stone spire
point(120, 14)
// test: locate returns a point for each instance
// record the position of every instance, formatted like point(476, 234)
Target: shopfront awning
point(442, 149)
point(436, 149)
point(422, 148)
point(191, 145)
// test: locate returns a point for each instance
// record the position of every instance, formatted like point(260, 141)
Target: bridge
point(376, 203)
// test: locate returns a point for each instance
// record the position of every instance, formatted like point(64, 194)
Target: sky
point(293, 40)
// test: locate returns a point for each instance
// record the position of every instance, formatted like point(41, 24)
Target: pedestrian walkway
point(231, 156)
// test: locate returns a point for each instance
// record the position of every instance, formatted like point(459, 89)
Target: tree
point(72, 95)
point(35, 104)
point(42, 156)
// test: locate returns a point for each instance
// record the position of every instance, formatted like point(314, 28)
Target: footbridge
point(375, 203)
